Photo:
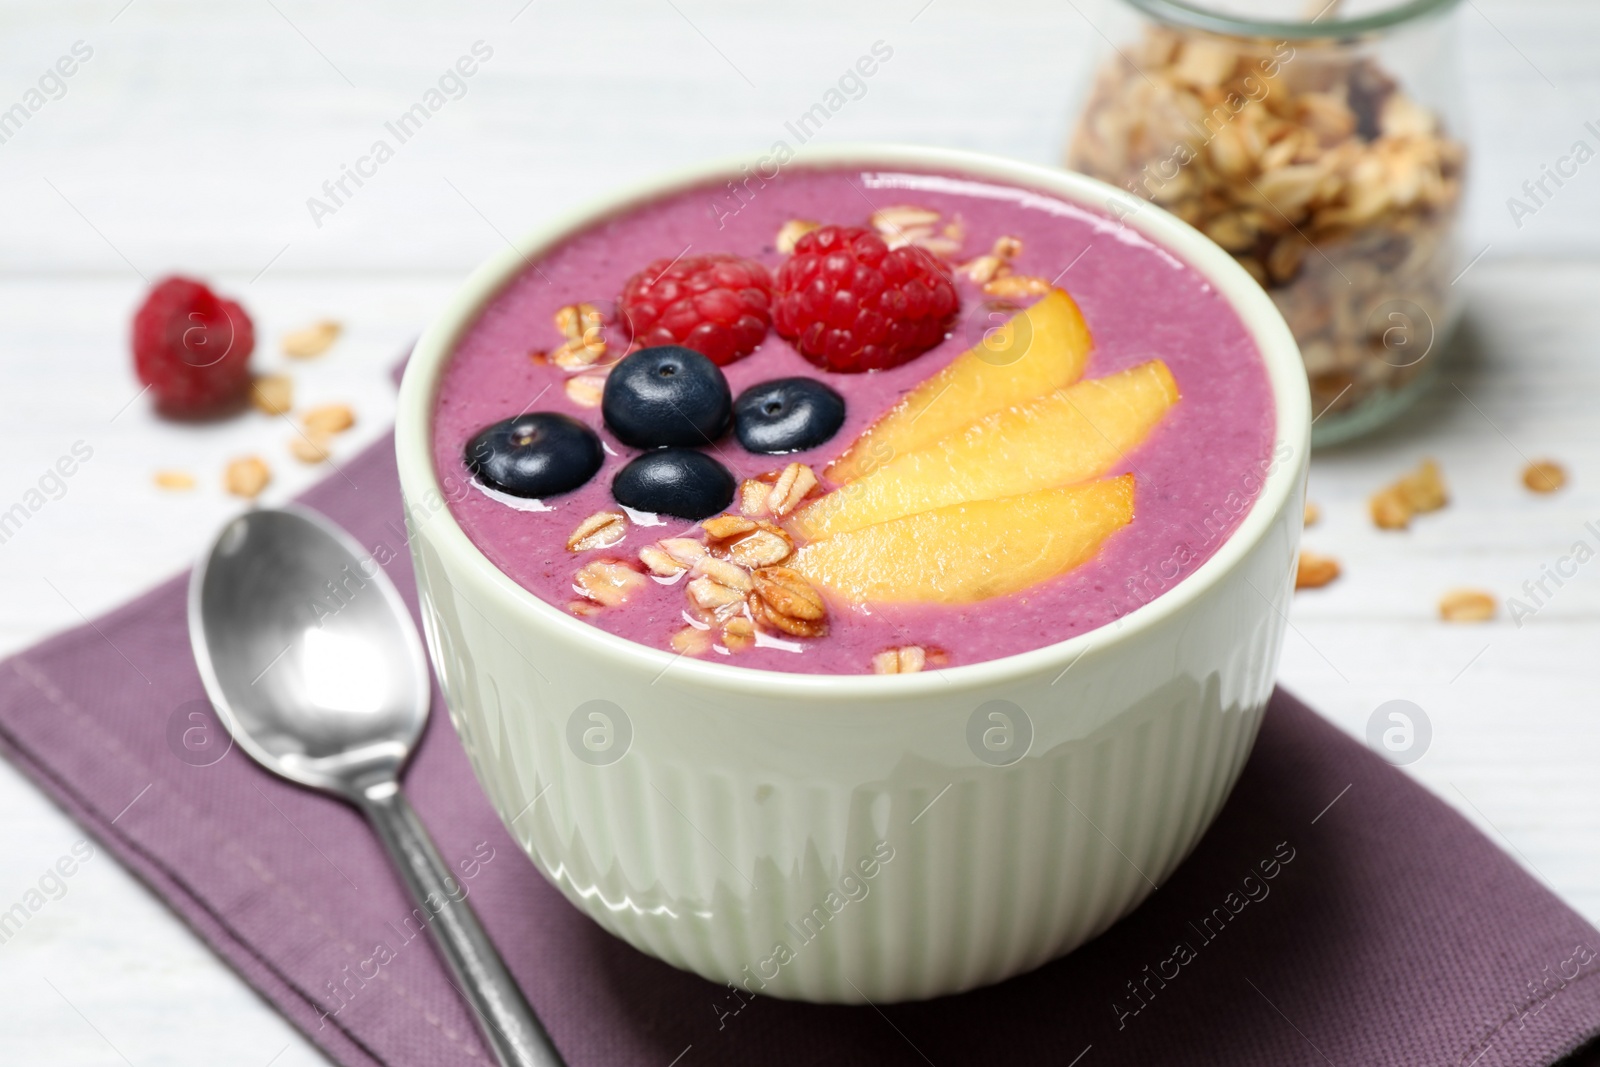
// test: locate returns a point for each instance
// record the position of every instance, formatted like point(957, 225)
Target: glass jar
point(1325, 153)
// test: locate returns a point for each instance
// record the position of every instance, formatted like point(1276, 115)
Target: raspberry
point(719, 305)
point(192, 348)
point(850, 303)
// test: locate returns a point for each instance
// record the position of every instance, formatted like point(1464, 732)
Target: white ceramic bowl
point(839, 838)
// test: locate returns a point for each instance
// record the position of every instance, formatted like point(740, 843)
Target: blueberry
point(666, 396)
point(674, 481)
point(787, 415)
point(538, 454)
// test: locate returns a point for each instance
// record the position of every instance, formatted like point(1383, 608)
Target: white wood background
point(193, 136)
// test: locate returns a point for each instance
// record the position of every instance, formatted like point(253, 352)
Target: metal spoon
point(312, 661)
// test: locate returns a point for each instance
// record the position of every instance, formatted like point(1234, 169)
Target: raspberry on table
point(192, 348)
point(718, 304)
point(850, 303)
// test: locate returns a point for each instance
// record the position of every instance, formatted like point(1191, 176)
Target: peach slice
point(1040, 349)
point(1067, 436)
point(972, 551)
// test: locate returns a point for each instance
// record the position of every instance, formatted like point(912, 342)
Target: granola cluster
point(911, 224)
point(1415, 493)
point(993, 272)
point(1334, 189)
point(731, 567)
point(735, 584)
point(584, 353)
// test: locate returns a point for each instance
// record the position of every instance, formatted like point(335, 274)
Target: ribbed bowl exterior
point(843, 839)
point(728, 820)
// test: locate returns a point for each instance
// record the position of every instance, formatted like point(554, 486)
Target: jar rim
point(1193, 16)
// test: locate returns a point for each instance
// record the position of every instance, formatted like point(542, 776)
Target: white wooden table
point(192, 137)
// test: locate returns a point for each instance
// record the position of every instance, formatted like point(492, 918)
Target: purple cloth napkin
point(1336, 913)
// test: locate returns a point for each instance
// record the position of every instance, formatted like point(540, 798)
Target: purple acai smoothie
point(1195, 475)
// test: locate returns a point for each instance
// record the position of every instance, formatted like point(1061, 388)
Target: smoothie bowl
point(860, 579)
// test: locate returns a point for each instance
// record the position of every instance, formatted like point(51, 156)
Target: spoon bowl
point(314, 665)
point(319, 670)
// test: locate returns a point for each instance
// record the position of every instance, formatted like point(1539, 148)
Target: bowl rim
point(1262, 321)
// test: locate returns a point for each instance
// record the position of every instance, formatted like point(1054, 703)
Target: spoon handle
point(509, 1026)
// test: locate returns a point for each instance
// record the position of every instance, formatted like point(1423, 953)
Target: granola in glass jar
point(1307, 160)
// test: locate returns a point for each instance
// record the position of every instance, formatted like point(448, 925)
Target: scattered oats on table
point(246, 477)
point(311, 447)
point(177, 481)
point(1315, 571)
point(311, 341)
point(328, 419)
point(1415, 493)
point(1313, 514)
point(1544, 476)
point(272, 393)
point(1389, 510)
point(1467, 605)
